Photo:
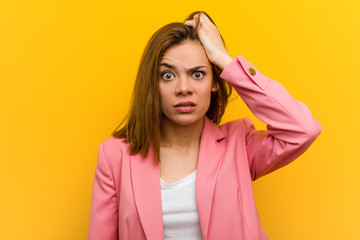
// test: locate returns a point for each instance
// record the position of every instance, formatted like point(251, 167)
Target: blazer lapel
point(209, 162)
point(145, 175)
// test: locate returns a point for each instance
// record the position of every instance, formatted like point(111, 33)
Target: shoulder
point(113, 145)
point(239, 125)
point(112, 150)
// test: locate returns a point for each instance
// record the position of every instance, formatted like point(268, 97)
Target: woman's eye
point(198, 75)
point(167, 76)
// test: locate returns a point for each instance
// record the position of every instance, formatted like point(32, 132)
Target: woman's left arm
point(290, 126)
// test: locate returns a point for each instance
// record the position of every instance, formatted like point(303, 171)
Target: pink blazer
point(126, 197)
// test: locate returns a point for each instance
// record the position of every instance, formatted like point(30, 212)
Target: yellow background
point(67, 69)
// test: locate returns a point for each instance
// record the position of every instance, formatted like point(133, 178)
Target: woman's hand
point(211, 41)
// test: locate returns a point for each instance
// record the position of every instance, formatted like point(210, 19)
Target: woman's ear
point(215, 87)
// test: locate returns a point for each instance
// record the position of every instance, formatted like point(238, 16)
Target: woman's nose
point(184, 86)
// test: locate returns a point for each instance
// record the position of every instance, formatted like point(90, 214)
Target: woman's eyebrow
point(191, 69)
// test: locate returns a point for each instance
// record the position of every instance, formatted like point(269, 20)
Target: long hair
point(144, 120)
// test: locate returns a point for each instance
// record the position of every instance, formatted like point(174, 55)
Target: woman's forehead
point(187, 54)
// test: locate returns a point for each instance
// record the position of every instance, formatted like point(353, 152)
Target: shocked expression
point(185, 83)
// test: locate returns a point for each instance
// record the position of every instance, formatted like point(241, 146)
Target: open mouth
point(185, 107)
point(185, 104)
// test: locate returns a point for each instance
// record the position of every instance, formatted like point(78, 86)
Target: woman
point(170, 172)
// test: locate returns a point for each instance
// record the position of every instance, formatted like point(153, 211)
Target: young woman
point(171, 172)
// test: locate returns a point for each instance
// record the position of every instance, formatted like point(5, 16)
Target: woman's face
point(185, 83)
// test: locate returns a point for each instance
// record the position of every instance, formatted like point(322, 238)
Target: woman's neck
point(179, 136)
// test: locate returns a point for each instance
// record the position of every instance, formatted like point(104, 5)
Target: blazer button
point(252, 71)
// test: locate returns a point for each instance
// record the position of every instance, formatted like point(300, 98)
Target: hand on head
point(210, 39)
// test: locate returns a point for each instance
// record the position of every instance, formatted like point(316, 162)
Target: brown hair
point(144, 120)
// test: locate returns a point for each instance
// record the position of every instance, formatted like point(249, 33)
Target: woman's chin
point(186, 120)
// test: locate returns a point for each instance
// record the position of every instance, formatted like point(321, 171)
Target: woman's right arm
point(104, 209)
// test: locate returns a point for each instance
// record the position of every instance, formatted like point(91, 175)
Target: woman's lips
point(185, 107)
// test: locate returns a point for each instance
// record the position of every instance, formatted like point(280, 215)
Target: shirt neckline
point(179, 181)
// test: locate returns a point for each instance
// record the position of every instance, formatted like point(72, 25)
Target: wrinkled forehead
point(186, 55)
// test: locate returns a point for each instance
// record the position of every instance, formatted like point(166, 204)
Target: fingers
point(210, 38)
point(190, 23)
point(202, 19)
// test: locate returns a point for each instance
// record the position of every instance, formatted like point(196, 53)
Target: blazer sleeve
point(104, 210)
point(290, 126)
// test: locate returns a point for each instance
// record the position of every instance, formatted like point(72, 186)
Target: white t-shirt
point(180, 215)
